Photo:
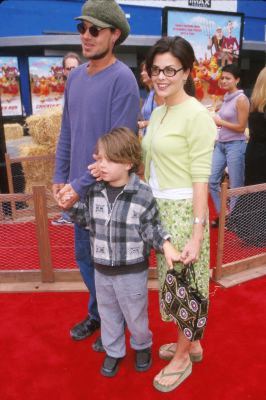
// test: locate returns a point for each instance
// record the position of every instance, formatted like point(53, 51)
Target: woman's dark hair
point(232, 69)
point(179, 48)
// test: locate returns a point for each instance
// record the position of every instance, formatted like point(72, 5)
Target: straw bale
point(13, 131)
point(45, 128)
point(31, 123)
point(38, 172)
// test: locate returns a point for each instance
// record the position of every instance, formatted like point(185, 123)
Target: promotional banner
point(47, 83)
point(216, 40)
point(10, 87)
point(217, 5)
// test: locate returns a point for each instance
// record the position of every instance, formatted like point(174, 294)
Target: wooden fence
point(40, 197)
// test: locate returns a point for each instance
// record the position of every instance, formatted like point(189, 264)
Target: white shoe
point(61, 221)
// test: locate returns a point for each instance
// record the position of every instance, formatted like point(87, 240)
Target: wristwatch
point(198, 220)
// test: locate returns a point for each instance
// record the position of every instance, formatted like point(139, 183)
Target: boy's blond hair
point(121, 145)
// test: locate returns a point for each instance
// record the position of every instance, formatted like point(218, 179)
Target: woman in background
point(150, 103)
point(230, 147)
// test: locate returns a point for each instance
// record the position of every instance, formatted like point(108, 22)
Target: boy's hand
point(170, 253)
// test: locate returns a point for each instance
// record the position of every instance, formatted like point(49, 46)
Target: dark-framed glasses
point(94, 30)
point(167, 71)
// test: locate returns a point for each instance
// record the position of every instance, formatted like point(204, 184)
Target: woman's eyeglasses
point(94, 30)
point(167, 71)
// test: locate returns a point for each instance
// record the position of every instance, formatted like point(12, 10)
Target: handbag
point(184, 303)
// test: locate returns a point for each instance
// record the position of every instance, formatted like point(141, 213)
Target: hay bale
point(34, 150)
point(37, 172)
point(45, 128)
point(13, 131)
point(31, 124)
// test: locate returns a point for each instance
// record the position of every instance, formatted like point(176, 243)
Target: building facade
point(47, 28)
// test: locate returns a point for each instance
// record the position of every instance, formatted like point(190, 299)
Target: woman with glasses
point(178, 148)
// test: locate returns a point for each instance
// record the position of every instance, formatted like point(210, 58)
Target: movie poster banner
point(47, 83)
point(216, 39)
point(10, 87)
point(217, 5)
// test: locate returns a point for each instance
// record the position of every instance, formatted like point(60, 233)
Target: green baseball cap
point(106, 14)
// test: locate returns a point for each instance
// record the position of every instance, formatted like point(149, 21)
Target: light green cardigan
point(179, 141)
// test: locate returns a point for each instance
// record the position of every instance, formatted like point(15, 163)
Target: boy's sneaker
point(110, 366)
point(61, 221)
point(143, 359)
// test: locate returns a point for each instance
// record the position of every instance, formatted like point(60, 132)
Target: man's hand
point(67, 197)
point(95, 169)
point(56, 189)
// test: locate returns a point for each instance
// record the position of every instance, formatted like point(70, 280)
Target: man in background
point(70, 61)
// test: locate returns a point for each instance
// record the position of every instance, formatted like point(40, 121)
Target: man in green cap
point(100, 95)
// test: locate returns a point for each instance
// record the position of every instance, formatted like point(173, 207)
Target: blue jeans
point(232, 155)
point(65, 216)
point(83, 259)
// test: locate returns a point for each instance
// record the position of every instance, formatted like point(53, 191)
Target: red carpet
point(39, 361)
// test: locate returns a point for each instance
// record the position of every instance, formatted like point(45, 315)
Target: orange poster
point(10, 87)
point(47, 83)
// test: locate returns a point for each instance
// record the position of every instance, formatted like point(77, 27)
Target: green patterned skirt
point(176, 217)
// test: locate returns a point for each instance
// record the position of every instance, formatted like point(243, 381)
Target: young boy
point(121, 214)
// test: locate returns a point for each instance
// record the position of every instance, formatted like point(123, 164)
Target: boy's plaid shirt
point(124, 234)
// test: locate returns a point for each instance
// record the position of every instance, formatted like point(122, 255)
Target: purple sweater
point(228, 112)
point(93, 106)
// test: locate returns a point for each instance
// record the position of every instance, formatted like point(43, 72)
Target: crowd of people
point(117, 216)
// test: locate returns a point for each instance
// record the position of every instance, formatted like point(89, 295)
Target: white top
point(167, 194)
